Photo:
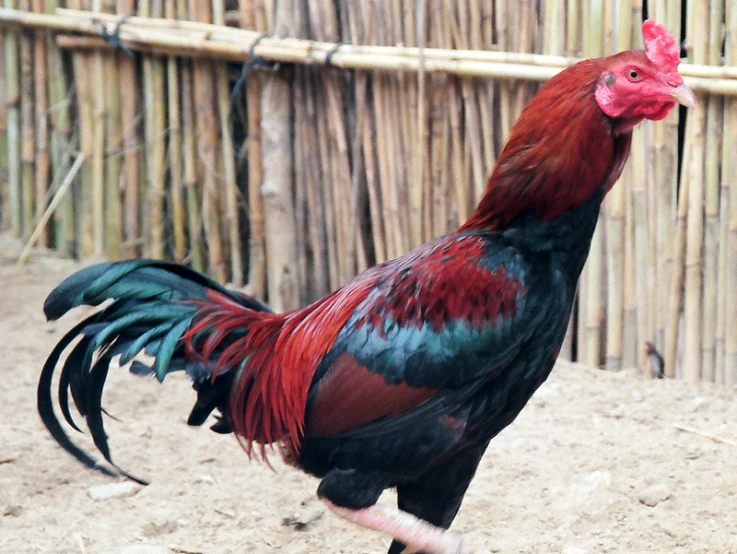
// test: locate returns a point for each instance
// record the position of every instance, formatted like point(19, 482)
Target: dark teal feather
point(154, 303)
point(168, 345)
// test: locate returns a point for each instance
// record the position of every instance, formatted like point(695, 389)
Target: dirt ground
point(566, 477)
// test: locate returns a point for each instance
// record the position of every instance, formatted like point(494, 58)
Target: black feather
point(45, 405)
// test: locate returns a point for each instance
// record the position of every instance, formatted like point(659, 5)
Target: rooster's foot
point(417, 534)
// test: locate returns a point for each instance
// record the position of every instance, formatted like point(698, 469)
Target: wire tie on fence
point(331, 53)
point(255, 59)
point(114, 38)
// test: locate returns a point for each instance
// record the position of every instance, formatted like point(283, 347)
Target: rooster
point(400, 378)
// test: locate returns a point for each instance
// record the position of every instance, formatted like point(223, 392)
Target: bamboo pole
point(665, 166)
point(727, 153)
point(61, 141)
point(629, 331)
point(155, 129)
point(113, 215)
point(677, 278)
point(695, 225)
point(555, 42)
point(277, 184)
point(100, 115)
point(175, 163)
point(192, 186)
point(437, 194)
point(12, 100)
point(720, 330)
point(5, 217)
point(638, 175)
point(712, 147)
point(729, 169)
point(305, 192)
point(41, 103)
point(317, 208)
point(367, 140)
point(318, 154)
point(204, 94)
point(593, 274)
point(28, 128)
point(230, 198)
point(132, 160)
point(81, 63)
point(614, 212)
point(710, 263)
point(251, 19)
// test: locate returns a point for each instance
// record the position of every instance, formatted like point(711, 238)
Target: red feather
point(549, 165)
point(276, 359)
point(350, 396)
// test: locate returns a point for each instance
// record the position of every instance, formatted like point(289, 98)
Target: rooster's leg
point(418, 535)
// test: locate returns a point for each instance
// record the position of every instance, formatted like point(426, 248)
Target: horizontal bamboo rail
point(187, 38)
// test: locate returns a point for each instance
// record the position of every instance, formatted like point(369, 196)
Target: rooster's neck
point(562, 153)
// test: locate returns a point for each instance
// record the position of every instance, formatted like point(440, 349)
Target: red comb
point(661, 47)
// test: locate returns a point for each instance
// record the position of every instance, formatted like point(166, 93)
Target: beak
point(684, 95)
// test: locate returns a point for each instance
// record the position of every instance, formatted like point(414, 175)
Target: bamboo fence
point(357, 131)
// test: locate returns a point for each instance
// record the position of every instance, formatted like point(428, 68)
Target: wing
point(437, 325)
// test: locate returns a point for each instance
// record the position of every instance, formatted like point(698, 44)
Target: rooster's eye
point(633, 75)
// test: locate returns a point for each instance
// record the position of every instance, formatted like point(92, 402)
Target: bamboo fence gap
point(308, 174)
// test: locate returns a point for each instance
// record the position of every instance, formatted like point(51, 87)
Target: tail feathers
point(153, 305)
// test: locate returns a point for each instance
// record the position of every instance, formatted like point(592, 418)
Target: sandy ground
point(567, 477)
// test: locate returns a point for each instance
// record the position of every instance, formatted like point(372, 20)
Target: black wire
point(114, 37)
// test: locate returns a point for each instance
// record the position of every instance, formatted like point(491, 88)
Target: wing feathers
point(350, 396)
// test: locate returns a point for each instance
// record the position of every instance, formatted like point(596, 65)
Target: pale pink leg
point(417, 534)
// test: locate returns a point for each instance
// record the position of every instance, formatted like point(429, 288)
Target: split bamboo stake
point(49, 211)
